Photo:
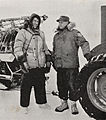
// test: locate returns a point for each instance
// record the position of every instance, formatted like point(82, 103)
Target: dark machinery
point(93, 78)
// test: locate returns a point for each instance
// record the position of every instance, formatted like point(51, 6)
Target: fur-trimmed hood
point(70, 27)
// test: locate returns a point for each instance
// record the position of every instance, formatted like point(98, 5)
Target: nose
point(35, 22)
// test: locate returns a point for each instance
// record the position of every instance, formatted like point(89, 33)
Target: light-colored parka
point(36, 50)
point(65, 48)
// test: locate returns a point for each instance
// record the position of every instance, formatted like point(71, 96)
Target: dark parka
point(65, 48)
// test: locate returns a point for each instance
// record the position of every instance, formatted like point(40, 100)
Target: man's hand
point(88, 56)
point(48, 58)
point(22, 58)
point(48, 64)
point(23, 62)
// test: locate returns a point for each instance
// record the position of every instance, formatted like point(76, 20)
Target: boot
point(74, 109)
point(63, 106)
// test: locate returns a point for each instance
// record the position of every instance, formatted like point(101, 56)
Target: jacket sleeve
point(53, 52)
point(19, 42)
point(81, 41)
point(54, 45)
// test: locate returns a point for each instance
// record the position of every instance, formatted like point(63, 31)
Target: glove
point(48, 58)
point(22, 58)
point(48, 64)
point(88, 56)
point(47, 68)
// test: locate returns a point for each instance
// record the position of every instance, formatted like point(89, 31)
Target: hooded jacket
point(65, 47)
point(36, 50)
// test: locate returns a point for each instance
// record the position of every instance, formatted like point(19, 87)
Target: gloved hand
point(22, 58)
point(48, 64)
point(48, 58)
point(47, 67)
point(23, 62)
point(88, 56)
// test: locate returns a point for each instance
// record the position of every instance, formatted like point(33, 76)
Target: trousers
point(34, 78)
point(66, 82)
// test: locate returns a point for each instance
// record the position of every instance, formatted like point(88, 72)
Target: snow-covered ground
point(11, 110)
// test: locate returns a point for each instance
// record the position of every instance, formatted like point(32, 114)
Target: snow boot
point(74, 109)
point(63, 106)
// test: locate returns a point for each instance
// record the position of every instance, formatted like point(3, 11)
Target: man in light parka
point(30, 48)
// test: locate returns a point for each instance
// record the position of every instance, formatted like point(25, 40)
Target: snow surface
point(11, 110)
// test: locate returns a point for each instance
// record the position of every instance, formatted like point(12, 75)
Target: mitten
point(88, 56)
point(22, 58)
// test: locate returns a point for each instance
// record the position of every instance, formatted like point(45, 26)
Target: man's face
point(62, 24)
point(35, 22)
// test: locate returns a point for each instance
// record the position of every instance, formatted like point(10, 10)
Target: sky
point(85, 13)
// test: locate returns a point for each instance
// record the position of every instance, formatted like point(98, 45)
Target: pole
point(103, 24)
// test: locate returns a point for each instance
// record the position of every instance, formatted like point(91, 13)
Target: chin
point(34, 27)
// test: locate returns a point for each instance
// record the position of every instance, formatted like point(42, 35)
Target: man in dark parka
point(66, 43)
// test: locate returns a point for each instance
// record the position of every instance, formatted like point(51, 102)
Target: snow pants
point(66, 80)
point(35, 78)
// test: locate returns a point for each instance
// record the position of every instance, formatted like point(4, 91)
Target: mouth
point(35, 26)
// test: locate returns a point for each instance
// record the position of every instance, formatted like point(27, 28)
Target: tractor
point(93, 78)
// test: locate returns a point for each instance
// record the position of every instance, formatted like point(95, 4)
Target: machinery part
point(6, 83)
point(11, 74)
point(17, 22)
point(93, 92)
point(100, 49)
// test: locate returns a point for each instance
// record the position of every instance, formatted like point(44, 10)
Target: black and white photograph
point(52, 60)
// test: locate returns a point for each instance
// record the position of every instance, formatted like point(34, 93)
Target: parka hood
point(31, 19)
point(70, 26)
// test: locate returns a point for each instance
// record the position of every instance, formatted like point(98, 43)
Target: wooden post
point(103, 24)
